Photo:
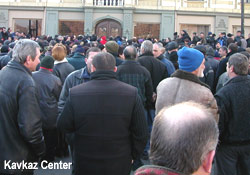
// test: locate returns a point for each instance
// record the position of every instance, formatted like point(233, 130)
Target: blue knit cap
point(189, 59)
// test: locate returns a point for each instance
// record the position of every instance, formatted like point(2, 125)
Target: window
point(32, 27)
point(71, 27)
point(108, 2)
point(142, 30)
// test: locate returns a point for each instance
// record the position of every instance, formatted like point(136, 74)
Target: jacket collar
point(236, 79)
point(188, 76)
point(84, 73)
point(102, 75)
point(63, 61)
point(126, 62)
point(16, 65)
point(160, 57)
point(156, 170)
point(146, 54)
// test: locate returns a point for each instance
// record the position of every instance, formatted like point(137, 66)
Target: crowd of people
point(182, 103)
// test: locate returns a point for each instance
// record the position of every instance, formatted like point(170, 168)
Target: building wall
point(219, 15)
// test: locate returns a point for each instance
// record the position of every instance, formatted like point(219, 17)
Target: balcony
point(110, 3)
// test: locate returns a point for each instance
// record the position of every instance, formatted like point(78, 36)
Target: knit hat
point(189, 59)
point(47, 62)
point(79, 49)
point(112, 47)
point(5, 49)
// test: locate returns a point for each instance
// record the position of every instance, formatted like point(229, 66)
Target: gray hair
point(104, 61)
point(182, 132)
point(147, 46)
point(24, 48)
point(240, 63)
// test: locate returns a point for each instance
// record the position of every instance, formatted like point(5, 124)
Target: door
point(108, 28)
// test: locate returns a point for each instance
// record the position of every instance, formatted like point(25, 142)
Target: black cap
point(47, 62)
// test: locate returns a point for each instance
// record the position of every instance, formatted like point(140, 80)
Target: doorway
point(108, 28)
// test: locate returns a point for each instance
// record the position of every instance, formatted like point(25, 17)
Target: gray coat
point(184, 86)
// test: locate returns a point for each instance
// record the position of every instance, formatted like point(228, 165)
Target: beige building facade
point(140, 18)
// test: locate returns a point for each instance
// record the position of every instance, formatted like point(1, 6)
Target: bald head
point(186, 130)
point(130, 53)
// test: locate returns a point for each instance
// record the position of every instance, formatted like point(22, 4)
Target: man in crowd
point(184, 85)
point(112, 47)
point(158, 72)
point(21, 126)
point(131, 72)
point(232, 155)
point(158, 54)
point(111, 129)
point(49, 88)
point(232, 49)
point(223, 52)
point(183, 141)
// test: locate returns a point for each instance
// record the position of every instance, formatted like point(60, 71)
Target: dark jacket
point(21, 126)
point(156, 68)
point(77, 61)
point(169, 65)
point(209, 77)
point(49, 88)
point(110, 130)
point(75, 78)
point(62, 70)
point(222, 66)
point(131, 72)
point(5, 59)
point(234, 106)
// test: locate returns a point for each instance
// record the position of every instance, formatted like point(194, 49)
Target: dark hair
point(104, 61)
point(175, 140)
point(240, 63)
point(130, 53)
point(233, 47)
point(224, 48)
point(92, 49)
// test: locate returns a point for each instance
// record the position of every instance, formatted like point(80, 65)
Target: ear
point(93, 69)
point(28, 60)
point(231, 69)
point(207, 163)
point(115, 69)
point(86, 60)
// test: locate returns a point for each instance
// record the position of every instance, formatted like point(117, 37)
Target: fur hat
point(112, 47)
point(189, 59)
point(47, 62)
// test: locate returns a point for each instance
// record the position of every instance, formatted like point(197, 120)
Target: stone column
point(88, 22)
point(167, 25)
point(127, 28)
point(221, 24)
point(51, 24)
point(4, 18)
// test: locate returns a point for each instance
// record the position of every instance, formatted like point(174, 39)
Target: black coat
point(49, 88)
point(107, 117)
point(21, 136)
point(62, 70)
point(131, 72)
point(234, 106)
point(156, 68)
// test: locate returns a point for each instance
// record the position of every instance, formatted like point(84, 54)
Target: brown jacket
point(184, 86)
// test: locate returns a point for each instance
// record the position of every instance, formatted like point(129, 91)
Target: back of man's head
point(233, 47)
point(104, 62)
point(183, 136)
point(130, 53)
point(92, 49)
point(240, 64)
point(147, 47)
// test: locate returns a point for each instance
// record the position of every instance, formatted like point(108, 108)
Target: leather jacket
point(21, 136)
point(49, 87)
